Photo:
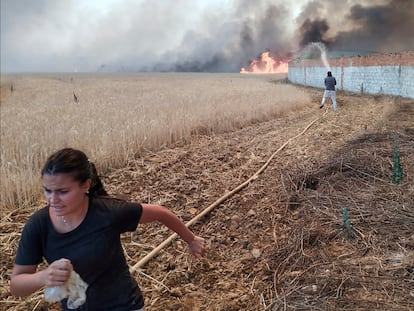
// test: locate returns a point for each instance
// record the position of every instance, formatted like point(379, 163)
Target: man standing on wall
point(330, 83)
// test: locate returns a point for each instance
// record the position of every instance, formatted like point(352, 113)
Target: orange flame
point(266, 63)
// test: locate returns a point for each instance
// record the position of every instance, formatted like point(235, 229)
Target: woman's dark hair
point(75, 163)
point(329, 74)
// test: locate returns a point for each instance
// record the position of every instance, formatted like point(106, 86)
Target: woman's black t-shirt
point(94, 249)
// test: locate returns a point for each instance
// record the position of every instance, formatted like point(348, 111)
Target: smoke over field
point(187, 36)
point(381, 26)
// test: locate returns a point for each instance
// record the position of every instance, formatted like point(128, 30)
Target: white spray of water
point(309, 52)
point(324, 57)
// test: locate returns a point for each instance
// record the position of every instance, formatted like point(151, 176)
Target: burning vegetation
point(266, 63)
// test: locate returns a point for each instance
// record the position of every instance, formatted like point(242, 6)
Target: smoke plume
point(187, 35)
point(377, 26)
point(386, 27)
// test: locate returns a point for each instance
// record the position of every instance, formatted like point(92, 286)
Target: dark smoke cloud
point(386, 28)
point(50, 35)
point(313, 31)
point(373, 27)
point(382, 28)
point(247, 31)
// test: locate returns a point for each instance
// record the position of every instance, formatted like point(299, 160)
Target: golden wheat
point(115, 117)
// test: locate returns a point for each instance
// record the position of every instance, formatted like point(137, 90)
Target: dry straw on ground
point(280, 243)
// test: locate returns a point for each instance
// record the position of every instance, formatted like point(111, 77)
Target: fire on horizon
point(266, 63)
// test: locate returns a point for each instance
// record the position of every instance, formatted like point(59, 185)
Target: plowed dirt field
point(321, 227)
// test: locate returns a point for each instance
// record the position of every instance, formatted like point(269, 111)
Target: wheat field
point(116, 117)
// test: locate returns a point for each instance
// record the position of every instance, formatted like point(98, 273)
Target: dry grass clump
point(366, 265)
point(113, 118)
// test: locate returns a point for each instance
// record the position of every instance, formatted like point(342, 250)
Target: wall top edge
point(390, 59)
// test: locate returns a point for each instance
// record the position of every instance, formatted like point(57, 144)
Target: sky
point(190, 35)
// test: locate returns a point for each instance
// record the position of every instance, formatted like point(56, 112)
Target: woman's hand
point(57, 273)
point(25, 280)
point(197, 247)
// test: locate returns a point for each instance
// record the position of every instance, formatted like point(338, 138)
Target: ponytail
point(97, 188)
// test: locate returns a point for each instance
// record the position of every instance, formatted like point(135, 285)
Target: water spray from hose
point(324, 57)
point(309, 53)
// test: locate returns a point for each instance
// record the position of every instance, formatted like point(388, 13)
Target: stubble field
point(281, 241)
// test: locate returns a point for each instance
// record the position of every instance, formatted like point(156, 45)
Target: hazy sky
point(189, 35)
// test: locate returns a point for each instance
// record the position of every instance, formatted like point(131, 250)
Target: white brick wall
point(391, 80)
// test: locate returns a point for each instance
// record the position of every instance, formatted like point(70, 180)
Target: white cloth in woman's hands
point(74, 289)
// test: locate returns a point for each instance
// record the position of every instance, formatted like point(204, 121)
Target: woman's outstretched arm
point(151, 213)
